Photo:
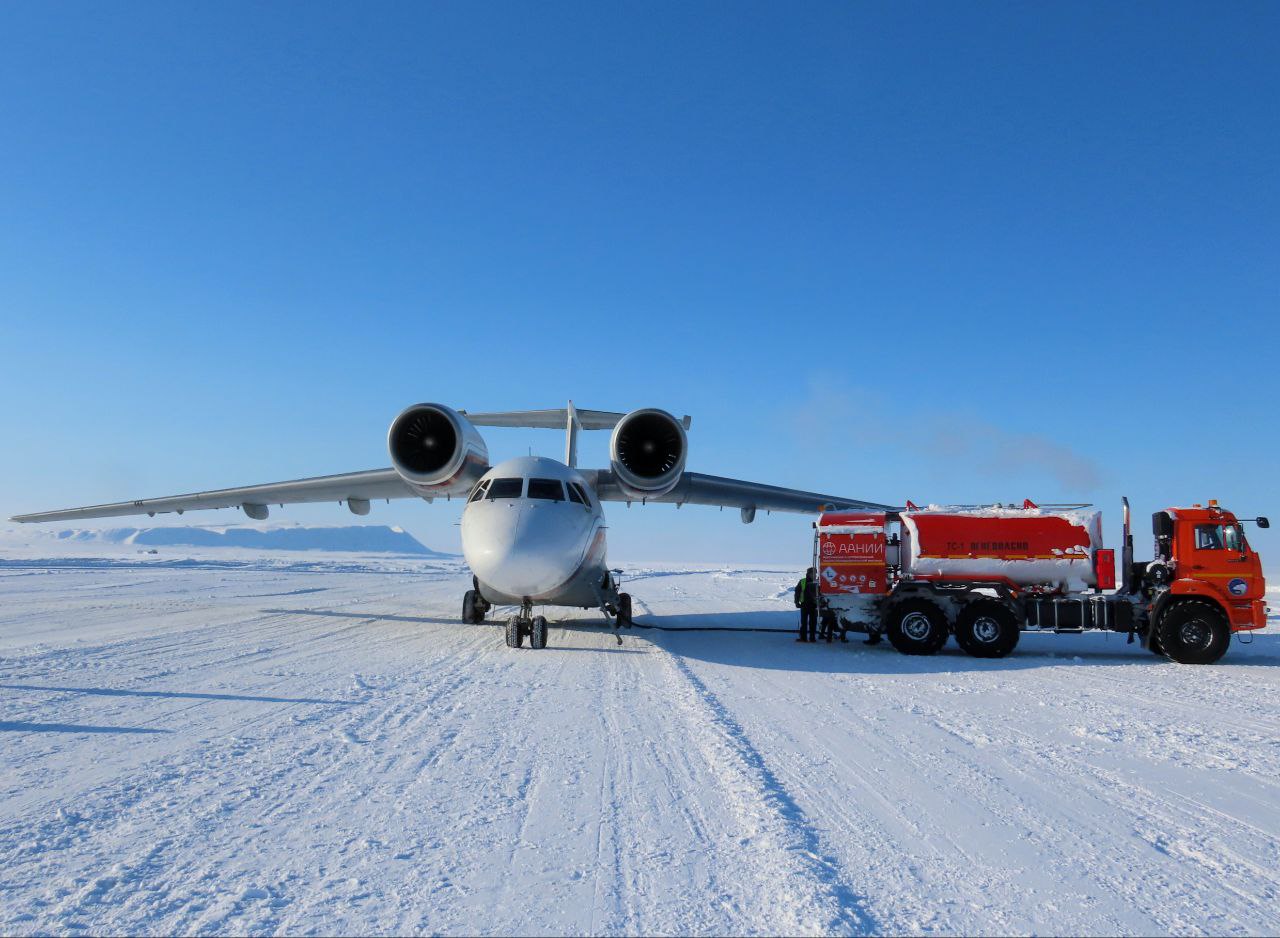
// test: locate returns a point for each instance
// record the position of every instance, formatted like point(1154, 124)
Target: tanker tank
point(1026, 546)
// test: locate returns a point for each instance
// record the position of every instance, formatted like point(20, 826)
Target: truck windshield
point(1233, 538)
point(1210, 536)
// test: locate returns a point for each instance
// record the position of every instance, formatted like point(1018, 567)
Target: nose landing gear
point(621, 612)
point(474, 606)
point(526, 623)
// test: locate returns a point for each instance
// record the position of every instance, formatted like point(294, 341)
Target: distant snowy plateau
point(293, 733)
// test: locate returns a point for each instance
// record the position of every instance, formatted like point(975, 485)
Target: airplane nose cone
point(521, 549)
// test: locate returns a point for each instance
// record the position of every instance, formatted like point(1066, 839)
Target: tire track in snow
point(772, 818)
point(1081, 837)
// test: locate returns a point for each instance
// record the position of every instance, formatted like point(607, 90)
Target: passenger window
point(479, 492)
point(550, 489)
point(1208, 537)
point(575, 493)
point(506, 488)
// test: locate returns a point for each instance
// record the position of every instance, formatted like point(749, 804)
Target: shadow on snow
point(777, 649)
point(17, 727)
point(367, 616)
point(766, 639)
point(176, 695)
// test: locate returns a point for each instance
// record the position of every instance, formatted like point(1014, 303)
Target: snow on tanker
point(988, 574)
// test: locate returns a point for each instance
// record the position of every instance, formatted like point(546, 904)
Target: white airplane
point(533, 530)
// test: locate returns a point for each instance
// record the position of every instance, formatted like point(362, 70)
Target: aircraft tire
point(624, 610)
point(538, 632)
point(472, 608)
point(515, 636)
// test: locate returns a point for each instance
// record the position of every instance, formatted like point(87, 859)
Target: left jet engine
point(437, 450)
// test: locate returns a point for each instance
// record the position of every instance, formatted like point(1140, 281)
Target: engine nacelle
point(648, 450)
point(437, 450)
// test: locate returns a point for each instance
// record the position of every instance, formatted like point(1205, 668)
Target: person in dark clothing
point(807, 602)
point(831, 627)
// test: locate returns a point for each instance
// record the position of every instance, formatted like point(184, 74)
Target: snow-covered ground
point(197, 742)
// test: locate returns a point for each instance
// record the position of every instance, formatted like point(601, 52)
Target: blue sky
point(945, 252)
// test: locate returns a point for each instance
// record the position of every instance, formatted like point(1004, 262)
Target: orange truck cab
point(1202, 554)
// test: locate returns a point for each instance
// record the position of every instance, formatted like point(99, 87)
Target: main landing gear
point(526, 623)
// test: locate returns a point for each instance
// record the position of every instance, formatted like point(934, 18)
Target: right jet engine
point(647, 452)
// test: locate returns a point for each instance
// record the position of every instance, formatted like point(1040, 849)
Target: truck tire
point(1153, 642)
point(987, 629)
point(917, 627)
point(515, 635)
point(538, 632)
point(1194, 632)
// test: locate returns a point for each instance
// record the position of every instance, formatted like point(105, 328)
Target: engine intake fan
point(648, 451)
point(436, 450)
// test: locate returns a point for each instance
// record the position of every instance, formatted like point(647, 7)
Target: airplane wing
point(695, 488)
point(355, 488)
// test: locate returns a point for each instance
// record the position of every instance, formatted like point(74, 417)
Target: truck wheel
point(515, 637)
point(1194, 632)
point(538, 632)
point(1153, 641)
point(472, 610)
point(917, 627)
point(987, 630)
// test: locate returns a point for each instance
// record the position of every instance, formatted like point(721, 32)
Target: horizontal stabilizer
point(556, 419)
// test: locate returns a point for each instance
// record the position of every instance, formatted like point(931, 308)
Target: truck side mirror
point(1263, 522)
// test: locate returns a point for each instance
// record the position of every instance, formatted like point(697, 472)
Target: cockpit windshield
point(550, 489)
point(506, 488)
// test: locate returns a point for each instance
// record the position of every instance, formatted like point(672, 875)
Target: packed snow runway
point(303, 745)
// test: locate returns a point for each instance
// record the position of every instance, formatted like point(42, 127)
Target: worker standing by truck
point(807, 603)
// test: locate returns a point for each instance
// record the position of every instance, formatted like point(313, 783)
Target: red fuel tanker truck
point(988, 574)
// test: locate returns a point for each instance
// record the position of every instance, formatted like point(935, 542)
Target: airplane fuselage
point(533, 531)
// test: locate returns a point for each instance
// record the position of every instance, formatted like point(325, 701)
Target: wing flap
point(695, 488)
